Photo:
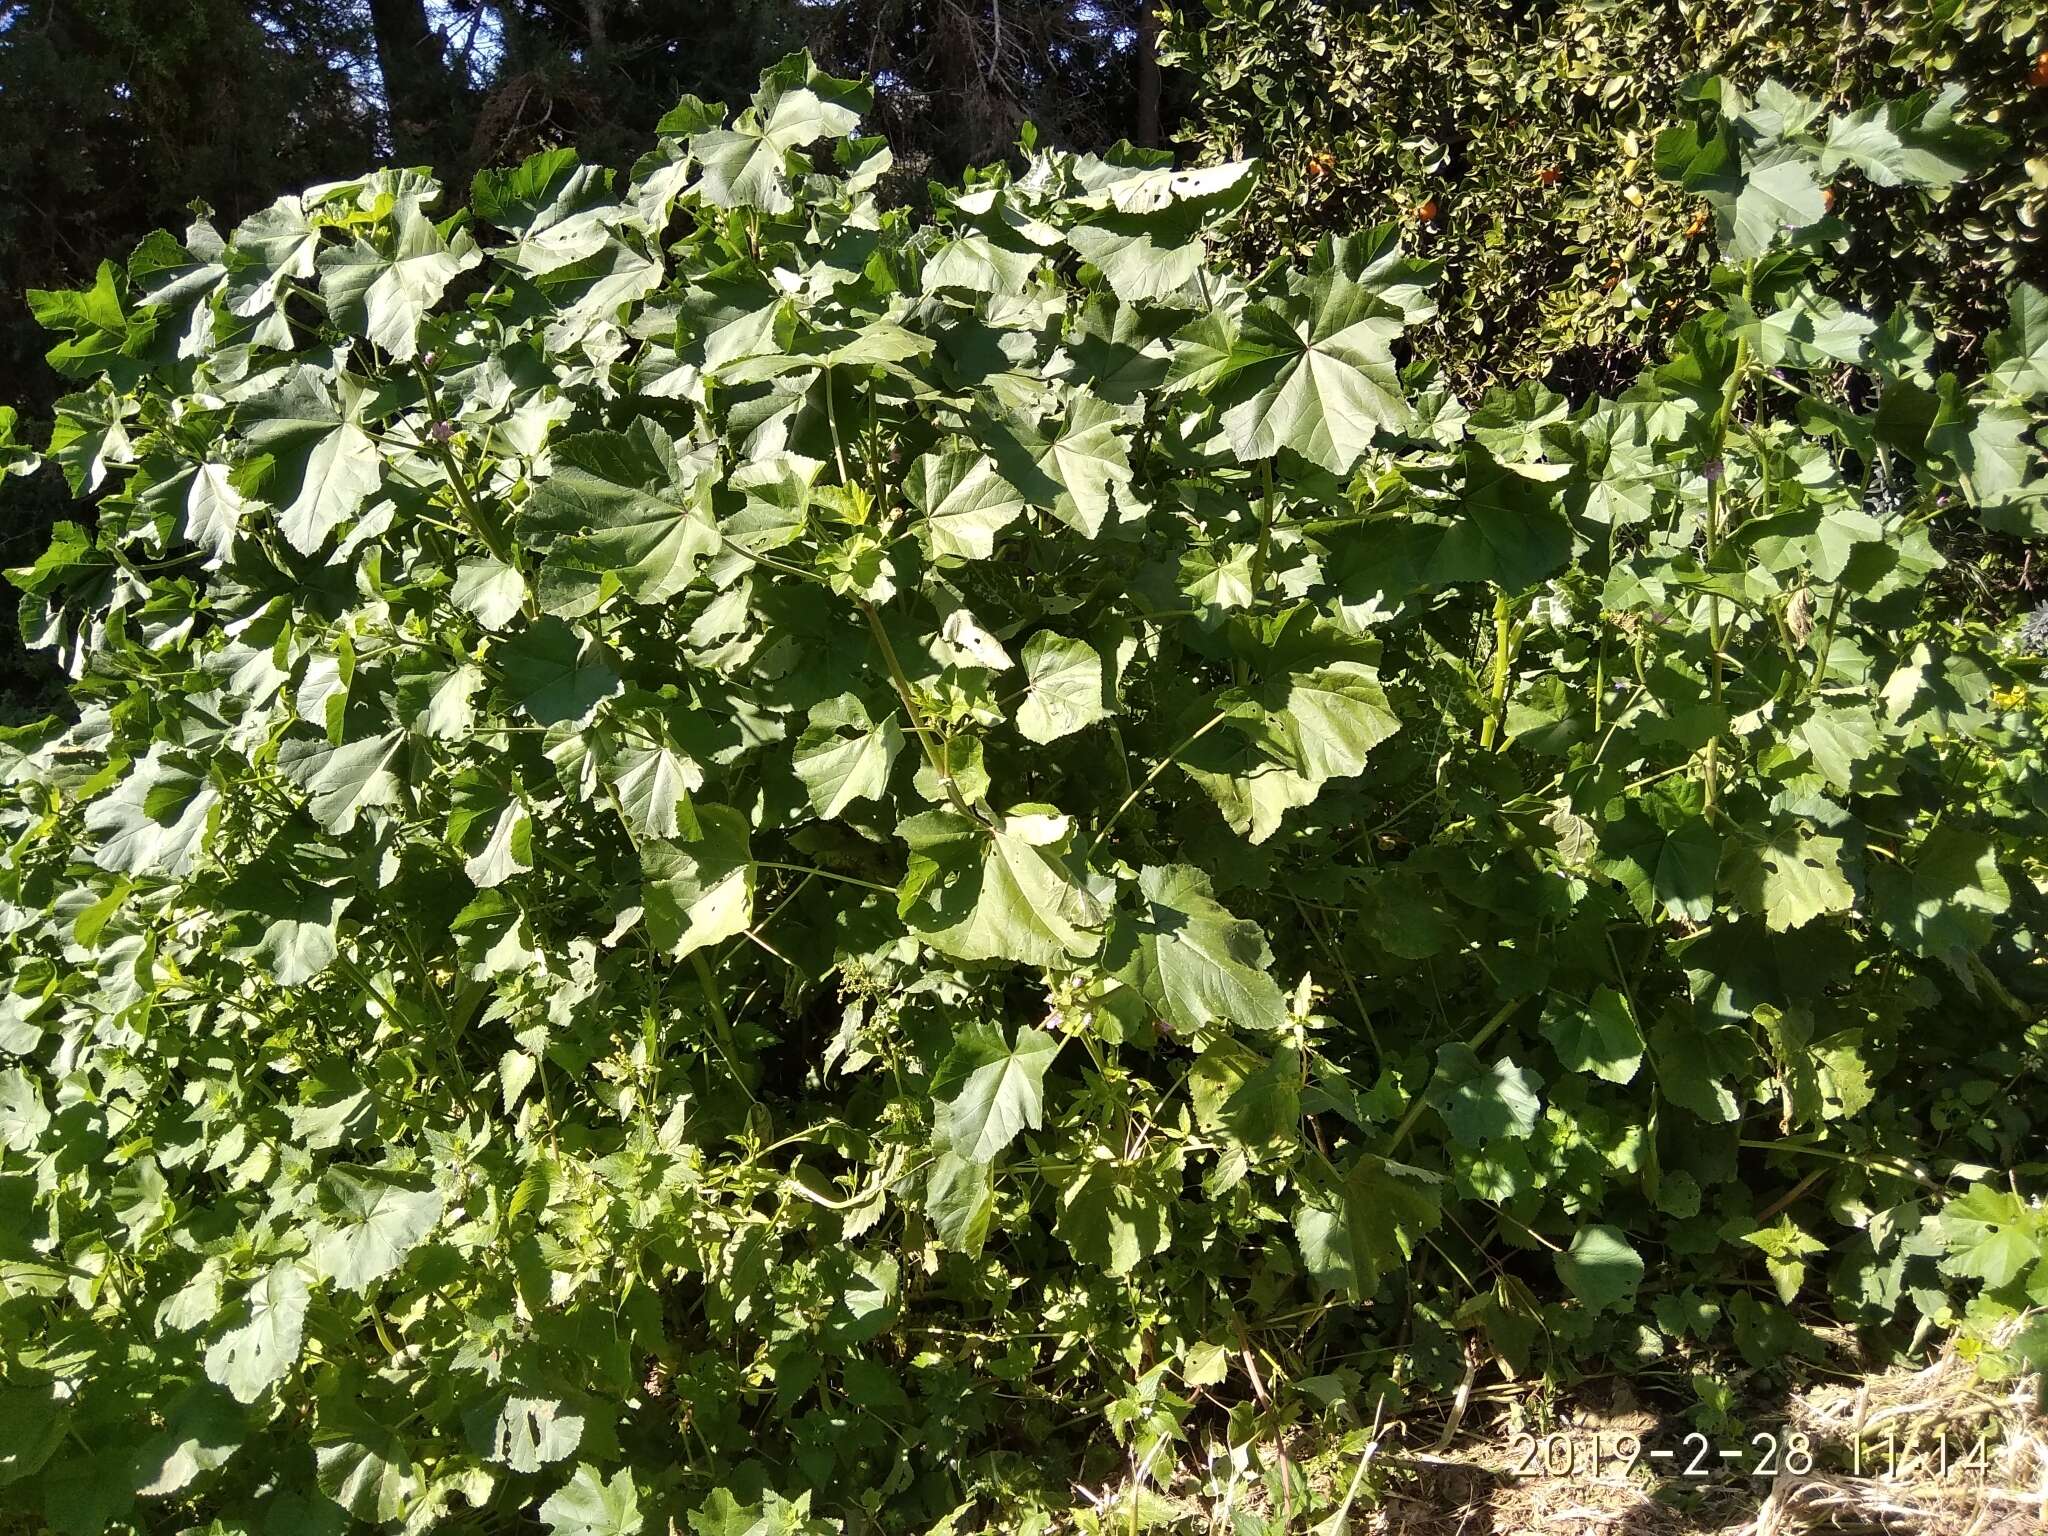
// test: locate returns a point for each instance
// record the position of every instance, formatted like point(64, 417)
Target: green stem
point(1261, 554)
point(1503, 658)
point(727, 1046)
point(486, 527)
point(832, 421)
point(1421, 1100)
point(825, 874)
point(1736, 375)
point(1160, 767)
point(1827, 640)
point(1892, 1166)
point(901, 683)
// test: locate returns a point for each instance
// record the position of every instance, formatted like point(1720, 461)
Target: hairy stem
point(1503, 658)
point(933, 754)
point(1716, 473)
point(485, 526)
point(1421, 1100)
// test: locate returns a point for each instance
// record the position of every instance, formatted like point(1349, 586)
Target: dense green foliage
point(1515, 142)
point(731, 858)
point(117, 115)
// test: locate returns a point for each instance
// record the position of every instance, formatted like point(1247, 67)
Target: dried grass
point(1919, 1429)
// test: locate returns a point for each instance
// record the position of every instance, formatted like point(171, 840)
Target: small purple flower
point(427, 360)
point(1714, 470)
point(443, 431)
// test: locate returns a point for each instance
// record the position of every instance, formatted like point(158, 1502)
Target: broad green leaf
point(16, 457)
point(1775, 193)
point(1253, 1097)
point(337, 476)
point(1602, 1268)
point(1352, 1236)
point(745, 166)
point(378, 1482)
point(1006, 891)
point(1936, 148)
point(489, 592)
point(202, 1431)
point(652, 785)
point(988, 1090)
point(23, 1116)
point(1788, 877)
point(1944, 905)
point(624, 505)
point(1507, 530)
point(262, 1347)
point(590, 1504)
point(960, 1201)
point(964, 501)
point(843, 756)
point(1484, 1101)
point(444, 702)
point(1067, 687)
point(1322, 383)
point(1090, 463)
point(562, 211)
point(492, 828)
point(1190, 957)
point(1811, 331)
point(90, 438)
point(214, 510)
point(1987, 444)
point(1597, 1036)
point(344, 781)
point(327, 465)
point(1252, 790)
point(529, 1433)
point(548, 671)
point(370, 1220)
point(978, 262)
point(1333, 718)
point(271, 247)
point(2021, 348)
point(157, 822)
point(300, 937)
point(383, 291)
point(1114, 1217)
point(865, 1294)
point(770, 1515)
point(1697, 1066)
point(1992, 1235)
point(1838, 738)
point(701, 891)
point(1684, 871)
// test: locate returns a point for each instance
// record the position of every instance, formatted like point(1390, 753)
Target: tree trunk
point(593, 11)
point(1148, 73)
point(418, 94)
